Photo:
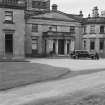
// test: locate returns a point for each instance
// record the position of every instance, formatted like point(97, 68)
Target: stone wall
point(44, 25)
point(18, 28)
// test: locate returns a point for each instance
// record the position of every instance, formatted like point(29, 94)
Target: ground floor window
point(34, 45)
point(101, 44)
point(92, 45)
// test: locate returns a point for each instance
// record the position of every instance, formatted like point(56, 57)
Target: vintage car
point(82, 54)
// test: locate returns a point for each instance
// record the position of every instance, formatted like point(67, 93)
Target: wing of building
point(12, 29)
point(93, 38)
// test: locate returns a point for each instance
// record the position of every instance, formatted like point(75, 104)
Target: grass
point(15, 74)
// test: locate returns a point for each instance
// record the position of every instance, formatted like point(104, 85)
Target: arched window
point(101, 29)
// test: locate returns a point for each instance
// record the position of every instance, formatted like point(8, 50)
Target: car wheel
point(74, 57)
point(93, 57)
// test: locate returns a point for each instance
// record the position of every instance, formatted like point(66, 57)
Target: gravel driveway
point(56, 88)
point(75, 65)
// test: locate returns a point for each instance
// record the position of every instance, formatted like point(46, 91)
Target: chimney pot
point(54, 7)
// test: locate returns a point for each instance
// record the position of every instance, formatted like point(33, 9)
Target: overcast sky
point(74, 6)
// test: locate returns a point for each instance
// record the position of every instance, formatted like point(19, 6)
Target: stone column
point(72, 46)
point(56, 49)
point(97, 45)
point(65, 47)
point(88, 45)
point(47, 46)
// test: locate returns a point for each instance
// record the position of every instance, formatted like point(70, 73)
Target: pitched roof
point(94, 20)
point(58, 15)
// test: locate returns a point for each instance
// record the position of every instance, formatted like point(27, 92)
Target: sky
point(74, 6)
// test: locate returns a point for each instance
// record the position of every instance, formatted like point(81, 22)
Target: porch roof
point(58, 35)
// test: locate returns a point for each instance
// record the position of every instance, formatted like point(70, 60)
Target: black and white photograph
point(52, 52)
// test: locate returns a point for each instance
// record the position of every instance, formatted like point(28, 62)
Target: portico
point(59, 45)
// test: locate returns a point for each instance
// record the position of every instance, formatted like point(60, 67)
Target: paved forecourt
point(34, 92)
point(75, 65)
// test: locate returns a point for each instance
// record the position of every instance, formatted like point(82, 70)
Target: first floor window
point(72, 29)
point(8, 16)
point(92, 45)
point(34, 27)
point(36, 4)
point(102, 29)
point(92, 28)
point(101, 44)
point(53, 28)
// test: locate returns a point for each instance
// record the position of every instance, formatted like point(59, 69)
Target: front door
point(8, 44)
point(68, 48)
point(61, 47)
point(54, 48)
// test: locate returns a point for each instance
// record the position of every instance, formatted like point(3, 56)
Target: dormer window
point(8, 17)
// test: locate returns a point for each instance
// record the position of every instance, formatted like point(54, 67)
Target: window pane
point(72, 29)
point(44, 5)
point(36, 4)
point(34, 44)
point(92, 29)
point(102, 29)
point(101, 44)
point(92, 45)
point(54, 28)
point(34, 27)
point(8, 16)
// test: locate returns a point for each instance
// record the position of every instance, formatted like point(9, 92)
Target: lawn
point(15, 74)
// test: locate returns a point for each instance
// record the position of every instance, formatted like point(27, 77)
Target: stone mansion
point(31, 28)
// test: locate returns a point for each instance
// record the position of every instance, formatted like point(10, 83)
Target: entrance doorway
point(9, 44)
point(68, 48)
point(61, 46)
point(54, 48)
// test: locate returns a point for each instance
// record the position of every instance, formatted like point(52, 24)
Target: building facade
point(94, 33)
point(12, 29)
point(30, 28)
point(52, 33)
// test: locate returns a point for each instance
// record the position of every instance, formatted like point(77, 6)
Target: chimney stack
point(54, 7)
point(81, 14)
